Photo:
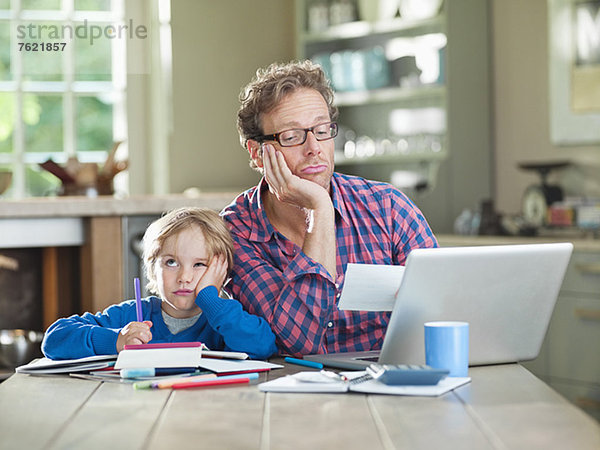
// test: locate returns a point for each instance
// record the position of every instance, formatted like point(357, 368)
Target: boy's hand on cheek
point(215, 274)
point(134, 333)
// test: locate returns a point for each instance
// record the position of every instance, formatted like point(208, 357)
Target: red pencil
point(209, 382)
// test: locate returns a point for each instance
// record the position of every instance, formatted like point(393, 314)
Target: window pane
point(40, 183)
point(7, 121)
point(5, 43)
point(46, 135)
point(5, 180)
point(42, 52)
point(94, 123)
point(40, 4)
point(8, 113)
point(92, 5)
point(93, 58)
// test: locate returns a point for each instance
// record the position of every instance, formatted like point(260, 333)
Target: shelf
point(384, 95)
point(359, 29)
point(391, 158)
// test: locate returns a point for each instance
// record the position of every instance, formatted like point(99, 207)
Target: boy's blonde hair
point(216, 236)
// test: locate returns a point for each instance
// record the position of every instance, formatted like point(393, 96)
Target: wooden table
point(504, 407)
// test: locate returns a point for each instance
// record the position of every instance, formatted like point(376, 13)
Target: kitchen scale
point(538, 197)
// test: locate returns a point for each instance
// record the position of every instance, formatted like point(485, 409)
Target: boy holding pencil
point(187, 255)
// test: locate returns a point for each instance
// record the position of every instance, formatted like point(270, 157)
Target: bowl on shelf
point(5, 180)
point(376, 10)
point(419, 9)
point(18, 347)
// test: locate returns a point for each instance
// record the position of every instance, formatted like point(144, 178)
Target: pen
point(138, 299)
point(303, 362)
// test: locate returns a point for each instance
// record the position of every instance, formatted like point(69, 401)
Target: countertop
point(580, 243)
point(76, 206)
point(59, 221)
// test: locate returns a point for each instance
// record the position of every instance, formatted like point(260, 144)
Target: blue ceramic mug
point(447, 347)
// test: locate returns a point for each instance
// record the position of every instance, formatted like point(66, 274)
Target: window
point(63, 76)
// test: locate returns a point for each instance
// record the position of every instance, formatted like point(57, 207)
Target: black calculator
point(406, 374)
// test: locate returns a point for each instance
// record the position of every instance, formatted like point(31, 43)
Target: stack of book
point(166, 365)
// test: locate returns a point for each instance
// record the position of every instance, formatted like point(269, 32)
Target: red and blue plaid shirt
point(274, 279)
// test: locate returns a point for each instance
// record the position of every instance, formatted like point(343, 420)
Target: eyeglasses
point(297, 136)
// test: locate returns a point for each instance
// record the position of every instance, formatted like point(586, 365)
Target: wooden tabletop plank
point(226, 417)
point(517, 410)
point(427, 422)
point(301, 421)
point(116, 416)
point(33, 409)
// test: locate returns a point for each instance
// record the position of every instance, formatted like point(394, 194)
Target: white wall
point(521, 112)
point(217, 47)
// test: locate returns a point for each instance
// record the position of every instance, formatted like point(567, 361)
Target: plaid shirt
point(274, 279)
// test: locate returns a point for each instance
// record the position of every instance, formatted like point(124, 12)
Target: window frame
point(129, 100)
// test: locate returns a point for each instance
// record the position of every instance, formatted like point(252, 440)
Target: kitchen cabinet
point(569, 358)
point(427, 133)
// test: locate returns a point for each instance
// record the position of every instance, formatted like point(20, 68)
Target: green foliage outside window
point(43, 113)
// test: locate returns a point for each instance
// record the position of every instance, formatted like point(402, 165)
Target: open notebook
point(298, 384)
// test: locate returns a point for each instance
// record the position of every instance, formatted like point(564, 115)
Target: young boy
point(187, 254)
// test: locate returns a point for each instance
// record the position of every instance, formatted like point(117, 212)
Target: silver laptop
point(507, 294)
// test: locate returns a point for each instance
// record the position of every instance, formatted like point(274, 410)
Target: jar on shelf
point(341, 11)
point(318, 16)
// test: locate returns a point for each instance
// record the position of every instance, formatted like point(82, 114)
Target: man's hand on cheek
point(286, 186)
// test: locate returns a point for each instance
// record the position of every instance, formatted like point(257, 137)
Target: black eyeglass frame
point(333, 126)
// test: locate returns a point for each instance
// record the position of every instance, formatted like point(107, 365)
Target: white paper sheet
point(49, 366)
point(376, 387)
point(232, 365)
point(291, 383)
point(370, 287)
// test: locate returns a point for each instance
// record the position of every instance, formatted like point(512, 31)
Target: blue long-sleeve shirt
point(223, 325)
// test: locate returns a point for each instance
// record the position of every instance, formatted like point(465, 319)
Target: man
point(295, 232)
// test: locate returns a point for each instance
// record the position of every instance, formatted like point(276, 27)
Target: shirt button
point(330, 324)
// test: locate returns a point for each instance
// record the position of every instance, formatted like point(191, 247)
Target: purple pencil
point(138, 299)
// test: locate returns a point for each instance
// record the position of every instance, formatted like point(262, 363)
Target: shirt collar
point(261, 229)
point(337, 198)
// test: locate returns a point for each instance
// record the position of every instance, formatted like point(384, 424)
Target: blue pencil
point(138, 299)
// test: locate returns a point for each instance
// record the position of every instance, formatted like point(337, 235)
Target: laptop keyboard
point(368, 358)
